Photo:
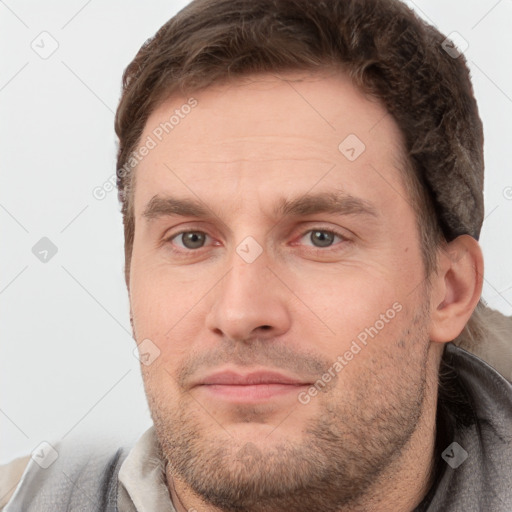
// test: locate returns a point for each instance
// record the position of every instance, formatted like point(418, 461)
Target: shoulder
point(10, 476)
point(63, 474)
point(475, 451)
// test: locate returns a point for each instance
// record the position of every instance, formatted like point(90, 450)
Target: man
point(301, 187)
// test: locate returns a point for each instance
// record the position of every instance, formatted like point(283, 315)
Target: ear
point(456, 288)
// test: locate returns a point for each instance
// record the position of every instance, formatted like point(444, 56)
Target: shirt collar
point(142, 480)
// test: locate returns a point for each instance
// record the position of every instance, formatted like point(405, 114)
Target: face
point(277, 281)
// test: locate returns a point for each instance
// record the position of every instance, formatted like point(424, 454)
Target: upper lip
point(231, 378)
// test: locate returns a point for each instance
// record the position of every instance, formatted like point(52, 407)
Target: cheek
point(348, 296)
point(370, 314)
point(167, 309)
point(153, 294)
point(353, 294)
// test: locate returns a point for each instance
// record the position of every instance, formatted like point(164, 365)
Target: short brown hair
point(387, 50)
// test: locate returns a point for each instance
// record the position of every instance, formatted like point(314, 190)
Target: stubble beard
point(343, 451)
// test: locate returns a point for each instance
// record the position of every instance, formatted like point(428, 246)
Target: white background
point(67, 363)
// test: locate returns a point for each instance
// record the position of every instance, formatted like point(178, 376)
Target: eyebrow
point(339, 203)
point(160, 206)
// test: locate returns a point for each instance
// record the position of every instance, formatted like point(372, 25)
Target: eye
point(189, 239)
point(322, 237)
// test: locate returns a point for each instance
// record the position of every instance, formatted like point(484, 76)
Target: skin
point(366, 441)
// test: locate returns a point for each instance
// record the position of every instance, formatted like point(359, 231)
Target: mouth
point(250, 387)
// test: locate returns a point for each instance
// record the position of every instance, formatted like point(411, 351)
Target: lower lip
point(251, 392)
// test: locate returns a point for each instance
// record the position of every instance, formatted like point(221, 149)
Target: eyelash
point(186, 251)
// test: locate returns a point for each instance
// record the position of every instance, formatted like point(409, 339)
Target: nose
point(249, 302)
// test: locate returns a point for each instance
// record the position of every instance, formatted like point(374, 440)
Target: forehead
point(286, 133)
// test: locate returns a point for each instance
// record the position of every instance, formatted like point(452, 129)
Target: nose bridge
point(248, 272)
point(248, 257)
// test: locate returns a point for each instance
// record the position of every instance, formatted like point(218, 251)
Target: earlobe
point(457, 289)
